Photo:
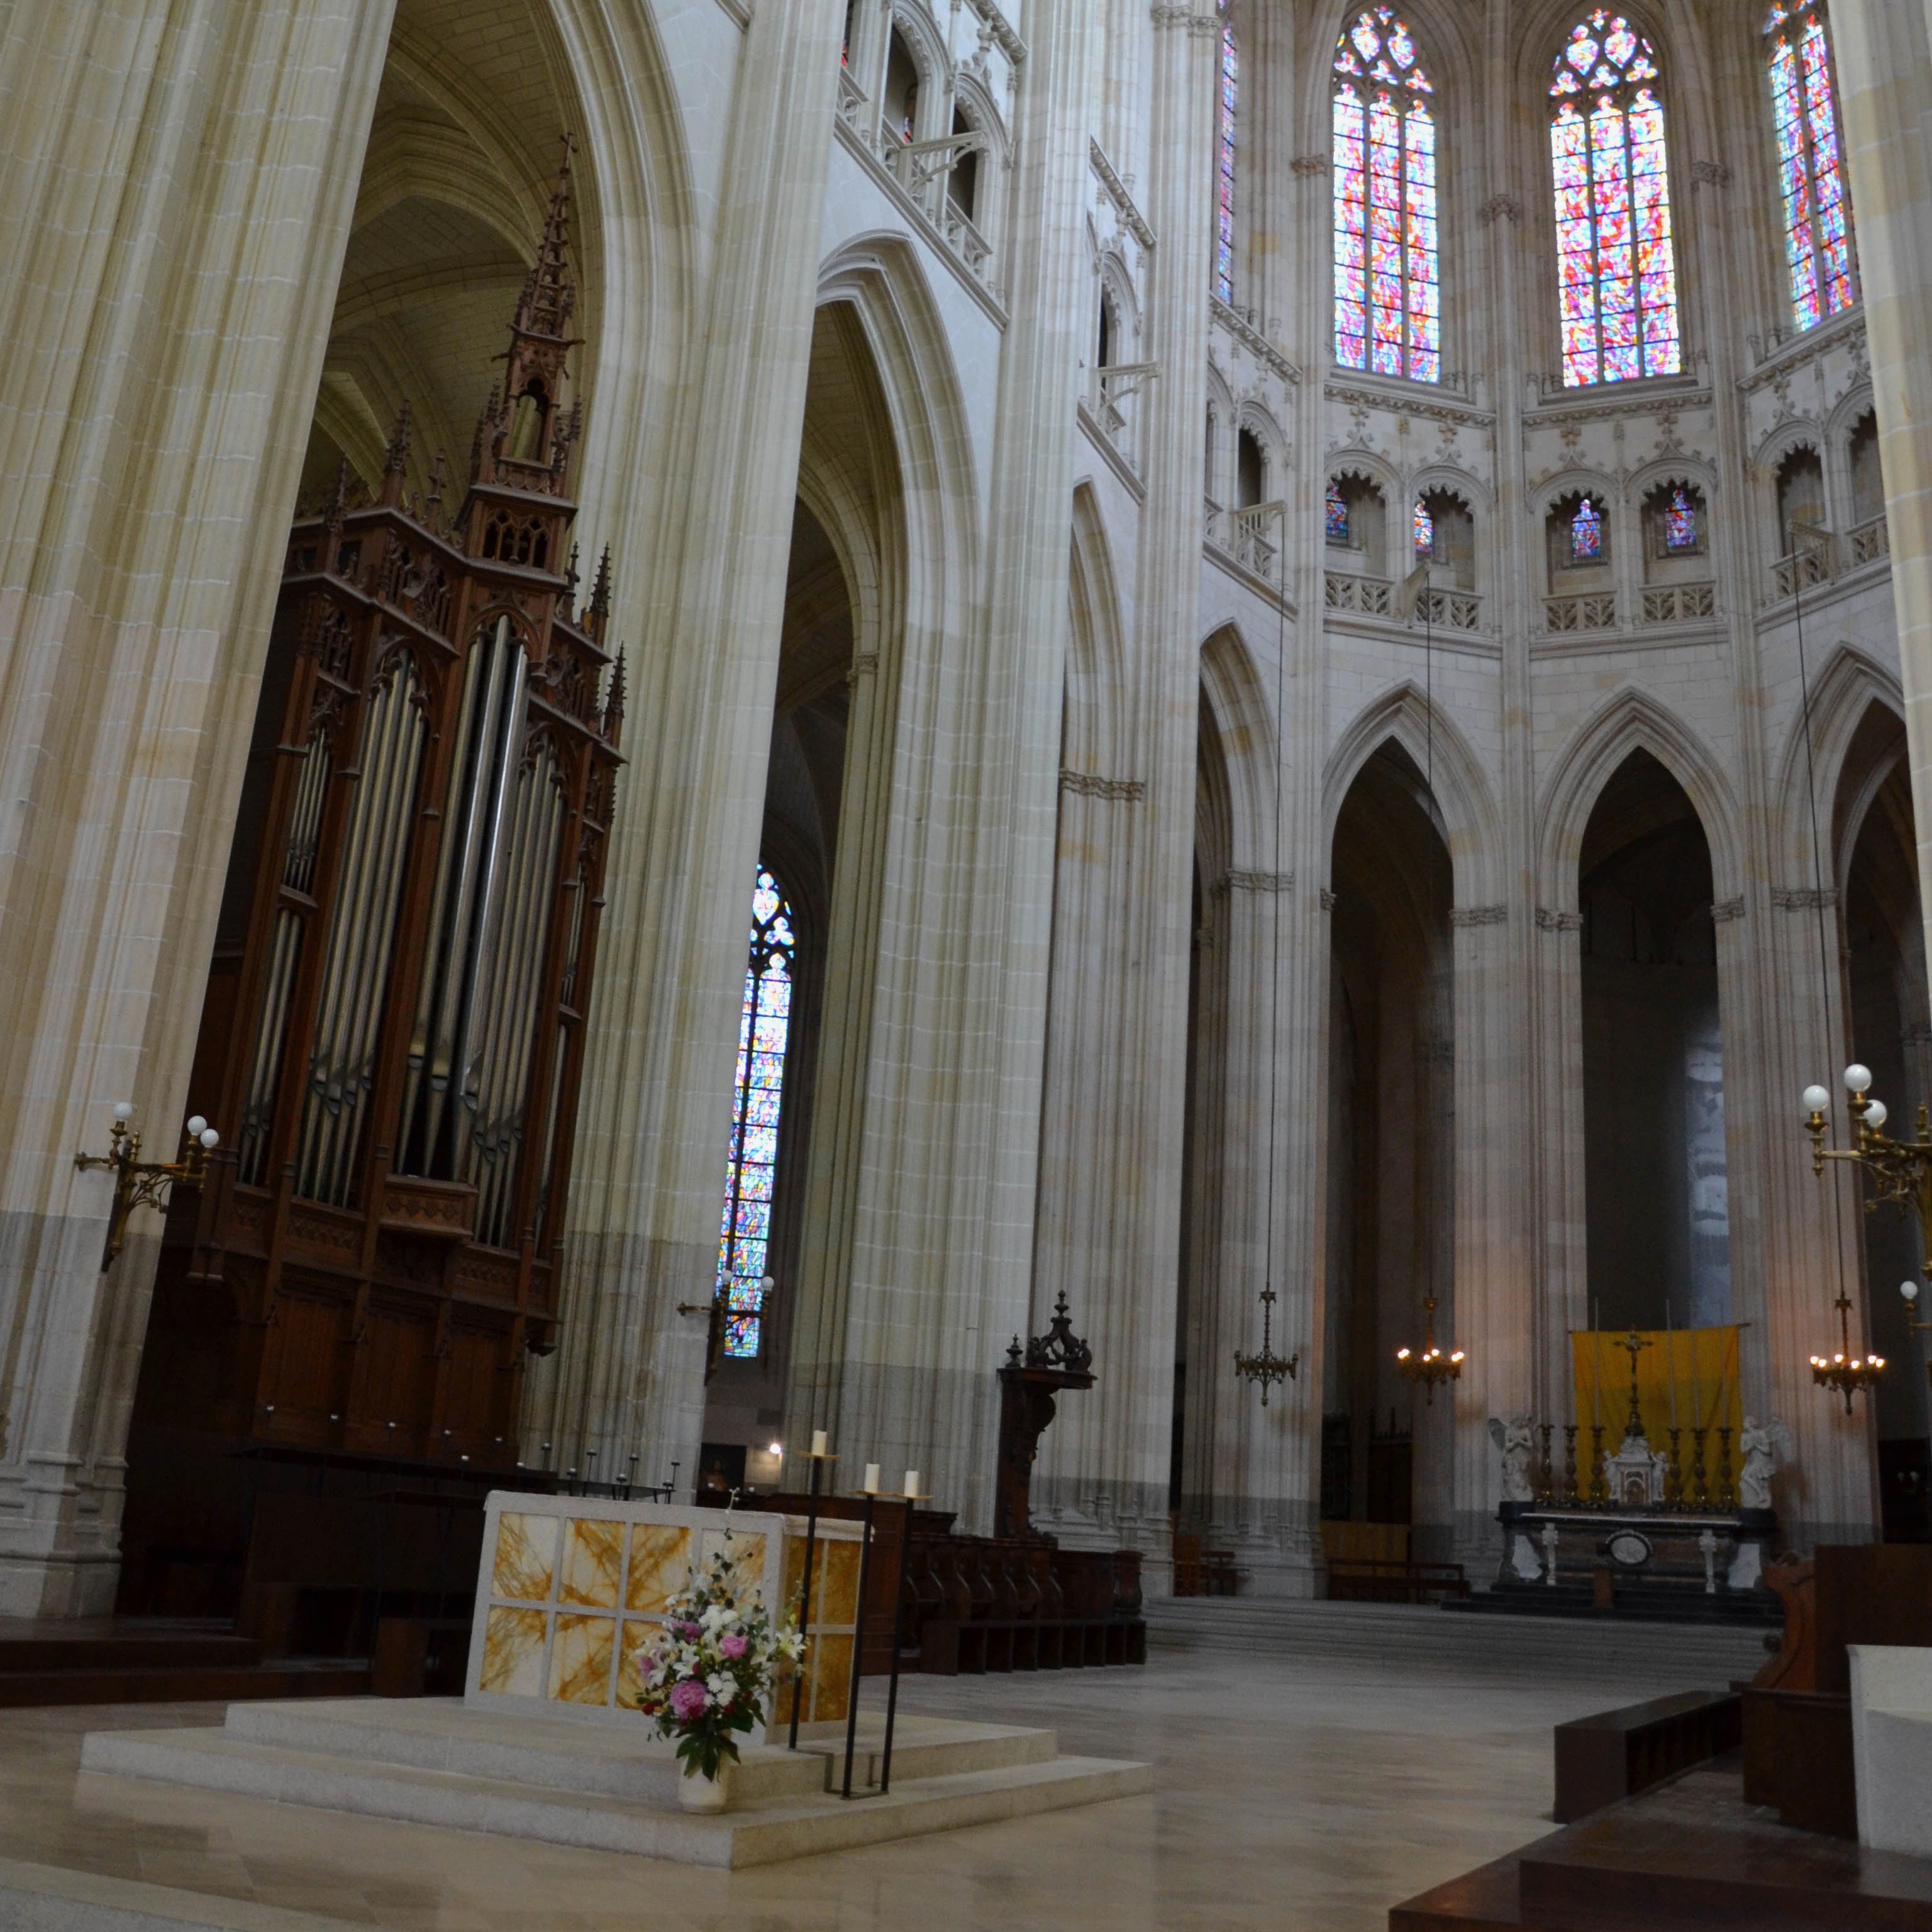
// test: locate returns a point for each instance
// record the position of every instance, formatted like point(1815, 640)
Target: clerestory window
point(1818, 247)
point(1616, 263)
point(1388, 302)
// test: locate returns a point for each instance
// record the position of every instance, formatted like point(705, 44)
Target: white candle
point(912, 1482)
point(818, 1442)
point(871, 1479)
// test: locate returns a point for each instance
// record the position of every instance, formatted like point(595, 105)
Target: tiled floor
point(1291, 1795)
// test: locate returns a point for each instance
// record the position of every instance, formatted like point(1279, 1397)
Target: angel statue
point(1516, 1440)
point(1764, 1444)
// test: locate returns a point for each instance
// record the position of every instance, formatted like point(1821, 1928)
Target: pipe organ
point(393, 1033)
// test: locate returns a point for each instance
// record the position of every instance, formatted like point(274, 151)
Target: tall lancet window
point(1388, 303)
point(1810, 169)
point(1618, 269)
point(1224, 184)
point(744, 1240)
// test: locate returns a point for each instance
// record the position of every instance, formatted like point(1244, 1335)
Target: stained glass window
point(1425, 530)
point(1338, 514)
point(1224, 231)
point(1617, 268)
point(1586, 533)
point(1680, 520)
point(1817, 204)
point(744, 1239)
point(1388, 307)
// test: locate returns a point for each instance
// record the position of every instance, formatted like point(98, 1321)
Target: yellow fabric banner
point(1686, 1378)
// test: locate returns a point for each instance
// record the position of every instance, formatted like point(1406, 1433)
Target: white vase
point(697, 1792)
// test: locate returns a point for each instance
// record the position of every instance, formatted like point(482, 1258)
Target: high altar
point(570, 1586)
point(1658, 1495)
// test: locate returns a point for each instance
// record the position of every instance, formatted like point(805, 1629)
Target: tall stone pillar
point(943, 1224)
point(178, 181)
point(1884, 50)
point(629, 1378)
point(1104, 1469)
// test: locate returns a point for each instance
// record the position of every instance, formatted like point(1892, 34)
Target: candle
point(818, 1442)
point(912, 1482)
point(871, 1479)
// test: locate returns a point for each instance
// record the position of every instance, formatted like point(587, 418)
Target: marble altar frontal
point(570, 1586)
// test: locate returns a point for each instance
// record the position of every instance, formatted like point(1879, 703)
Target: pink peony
point(732, 1647)
point(692, 1633)
point(688, 1700)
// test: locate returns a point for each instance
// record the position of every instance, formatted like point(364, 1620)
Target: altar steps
point(1390, 1637)
point(1634, 1601)
point(607, 1785)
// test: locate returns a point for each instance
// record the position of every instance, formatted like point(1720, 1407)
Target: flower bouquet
point(707, 1674)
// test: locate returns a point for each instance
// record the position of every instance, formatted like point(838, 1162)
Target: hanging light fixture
point(1903, 1169)
point(1429, 1365)
point(1267, 1368)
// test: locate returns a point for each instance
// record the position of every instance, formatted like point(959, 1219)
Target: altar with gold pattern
point(569, 1587)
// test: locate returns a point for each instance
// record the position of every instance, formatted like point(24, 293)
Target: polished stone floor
point(1293, 1792)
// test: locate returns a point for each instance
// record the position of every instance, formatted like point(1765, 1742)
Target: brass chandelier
point(1430, 1365)
point(1897, 1170)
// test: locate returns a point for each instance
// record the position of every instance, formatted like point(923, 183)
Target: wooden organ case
point(392, 1039)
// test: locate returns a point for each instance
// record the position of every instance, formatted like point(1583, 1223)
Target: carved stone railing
point(1679, 603)
point(1816, 564)
point(1866, 543)
point(1585, 611)
point(1451, 610)
point(1373, 596)
point(1252, 548)
point(1210, 521)
point(851, 100)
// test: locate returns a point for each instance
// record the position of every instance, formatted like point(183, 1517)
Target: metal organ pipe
point(361, 929)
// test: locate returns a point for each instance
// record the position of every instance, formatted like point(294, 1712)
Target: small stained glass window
point(1337, 506)
point(1224, 212)
point(1388, 306)
point(1810, 168)
point(1616, 265)
point(1680, 521)
point(1425, 530)
point(764, 1026)
point(1586, 533)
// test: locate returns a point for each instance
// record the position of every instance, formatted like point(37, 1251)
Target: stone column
point(943, 1224)
point(1884, 50)
point(1105, 1468)
point(627, 1378)
point(178, 181)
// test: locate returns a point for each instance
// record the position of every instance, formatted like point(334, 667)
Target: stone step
point(182, 1684)
point(1397, 1636)
point(758, 1831)
point(623, 1759)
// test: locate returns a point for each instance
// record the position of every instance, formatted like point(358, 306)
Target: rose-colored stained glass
point(1810, 172)
point(1387, 283)
point(764, 1026)
point(1616, 266)
point(1224, 232)
point(1337, 505)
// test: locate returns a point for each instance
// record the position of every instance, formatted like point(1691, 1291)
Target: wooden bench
point(1360, 1580)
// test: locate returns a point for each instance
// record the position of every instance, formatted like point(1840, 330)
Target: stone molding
point(1550, 920)
point(1200, 25)
point(1726, 911)
point(1135, 222)
point(1328, 900)
point(1483, 915)
point(997, 23)
point(1709, 174)
point(1500, 208)
point(1126, 791)
point(1245, 332)
point(1255, 882)
point(1309, 164)
point(1803, 898)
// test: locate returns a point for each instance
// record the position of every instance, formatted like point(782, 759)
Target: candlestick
point(1670, 1352)
point(1676, 1468)
point(1598, 1492)
point(1570, 1494)
point(1701, 1492)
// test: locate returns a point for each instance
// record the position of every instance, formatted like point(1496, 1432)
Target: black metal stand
point(898, 1631)
point(858, 1647)
point(805, 1602)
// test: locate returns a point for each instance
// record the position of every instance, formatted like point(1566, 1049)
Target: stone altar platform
point(435, 1762)
point(1699, 1565)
